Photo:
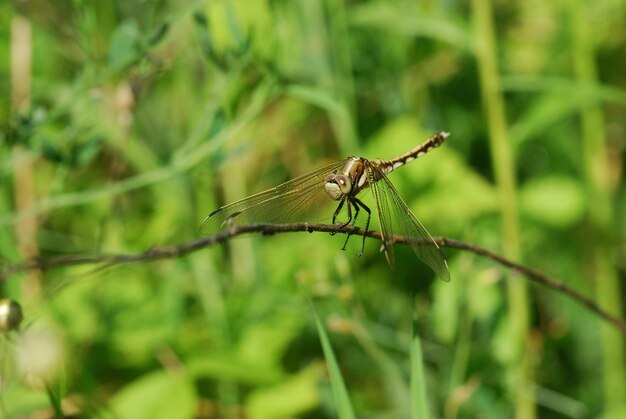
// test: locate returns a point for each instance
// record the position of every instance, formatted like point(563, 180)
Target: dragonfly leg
point(336, 214)
point(356, 214)
point(357, 204)
point(338, 210)
point(353, 222)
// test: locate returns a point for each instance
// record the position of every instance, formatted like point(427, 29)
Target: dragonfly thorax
point(340, 183)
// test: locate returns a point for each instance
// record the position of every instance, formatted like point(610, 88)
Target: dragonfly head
point(337, 186)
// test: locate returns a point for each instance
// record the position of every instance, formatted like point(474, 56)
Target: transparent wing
point(302, 199)
point(382, 211)
point(390, 208)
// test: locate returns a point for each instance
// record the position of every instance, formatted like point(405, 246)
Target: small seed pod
point(10, 315)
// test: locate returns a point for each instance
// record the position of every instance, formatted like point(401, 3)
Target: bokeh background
point(123, 124)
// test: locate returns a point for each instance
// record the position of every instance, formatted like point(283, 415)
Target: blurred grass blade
point(596, 163)
point(591, 91)
point(201, 25)
point(390, 17)
point(317, 97)
point(419, 400)
point(519, 360)
point(260, 98)
point(545, 112)
point(124, 46)
point(56, 394)
point(340, 392)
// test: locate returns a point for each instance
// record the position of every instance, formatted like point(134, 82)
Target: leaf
point(544, 113)
point(157, 395)
point(124, 48)
point(340, 392)
point(558, 201)
point(264, 343)
point(393, 18)
point(226, 367)
point(290, 398)
point(316, 96)
point(419, 399)
point(445, 309)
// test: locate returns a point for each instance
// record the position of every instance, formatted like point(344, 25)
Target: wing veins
point(282, 196)
point(419, 238)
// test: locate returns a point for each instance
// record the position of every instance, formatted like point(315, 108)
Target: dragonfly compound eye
point(337, 186)
point(344, 183)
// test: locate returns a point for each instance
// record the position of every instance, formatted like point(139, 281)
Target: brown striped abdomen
point(388, 166)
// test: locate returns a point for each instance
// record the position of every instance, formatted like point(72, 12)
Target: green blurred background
point(123, 124)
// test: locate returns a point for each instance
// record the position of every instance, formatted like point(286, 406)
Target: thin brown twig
point(165, 252)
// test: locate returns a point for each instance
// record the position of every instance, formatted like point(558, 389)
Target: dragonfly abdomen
point(434, 141)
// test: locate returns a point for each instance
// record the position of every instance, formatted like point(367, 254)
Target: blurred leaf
point(234, 29)
point(24, 401)
point(616, 413)
point(56, 394)
point(160, 394)
point(458, 195)
point(292, 397)
point(159, 33)
point(544, 113)
point(315, 96)
point(419, 399)
point(343, 405)
point(445, 309)
point(124, 48)
point(84, 153)
point(73, 302)
point(206, 42)
point(226, 367)
point(505, 349)
point(21, 129)
point(50, 152)
point(558, 201)
point(484, 297)
point(234, 25)
point(566, 86)
point(264, 342)
point(438, 186)
point(395, 17)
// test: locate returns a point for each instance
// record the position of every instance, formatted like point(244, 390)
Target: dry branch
point(165, 252)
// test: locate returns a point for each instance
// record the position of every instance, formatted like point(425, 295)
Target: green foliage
point(156, 395)
point(340, 392)
point(419, 397)
point(143, 117)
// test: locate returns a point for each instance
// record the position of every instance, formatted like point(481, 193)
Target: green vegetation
point(124, 124)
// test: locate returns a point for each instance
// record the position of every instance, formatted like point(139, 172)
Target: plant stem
point(599, 195)
point(504, 168)
point(24, 173)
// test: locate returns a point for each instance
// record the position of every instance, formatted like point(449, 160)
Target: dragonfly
point(307, 199)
